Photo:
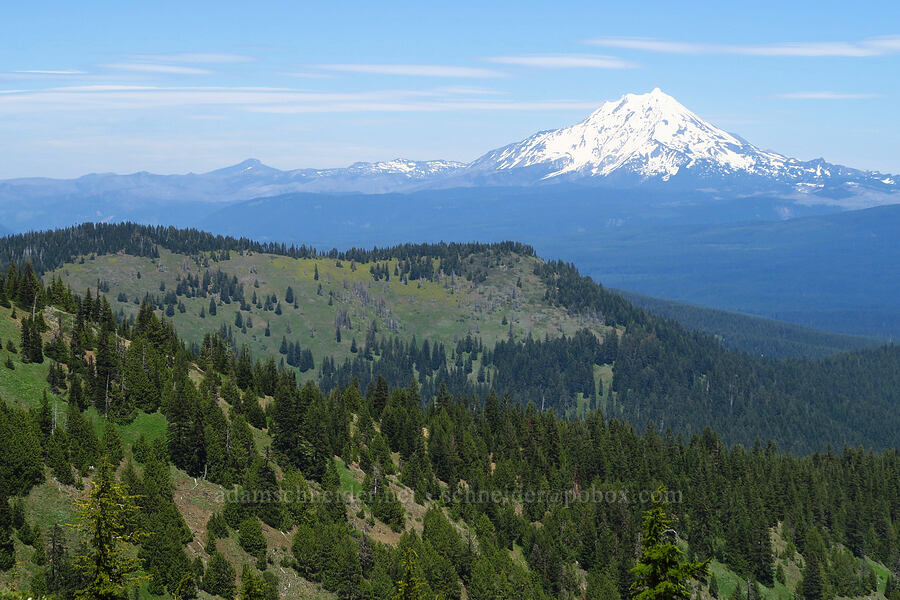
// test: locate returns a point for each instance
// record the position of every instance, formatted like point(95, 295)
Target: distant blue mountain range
point(642, 194)
point(648, 143)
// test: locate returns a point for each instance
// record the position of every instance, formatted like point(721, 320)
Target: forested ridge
point(661, 372)
point(46, 250)
point(565, 496)
point(755, 335)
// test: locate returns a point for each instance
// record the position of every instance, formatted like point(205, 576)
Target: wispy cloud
point(95, 88)
point(450, 71)
point(193, 58)
point(267, 100)
point(466, 90)
point(876, 46)
point(49, 72)
point(158, 68)
point(428, 106)
point(310, 75)
point(565, 61)
point(827, 96)
point(34, 74)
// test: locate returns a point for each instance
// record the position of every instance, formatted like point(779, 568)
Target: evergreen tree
point(212, 307)
point(254, 586)
point(483, 585)
point(384, 502)
point(342, 572)
point(29, 290)
point(40, 551)
point(250, 536)
point(106, 519)
point(32, 346)
point(891, 589)
point(760, 552)
point(186, 588)
point(219, 577)
point(409, 586)
point(60, 573)
point(82, 440)
point(164, 556)
point(58, 458)
point(20, 449)
point(306, 551)
point(601, 586)
point(111, 444)
point(7, 548)
point(814, 584)
point(660, 573)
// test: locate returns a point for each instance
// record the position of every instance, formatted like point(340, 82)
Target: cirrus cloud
point(139, 67)
point(876, 46)
point(49, 72)
point(104, 98)
point(565, 61)
point(193, 57)
point(825, 95)
point(411, 70)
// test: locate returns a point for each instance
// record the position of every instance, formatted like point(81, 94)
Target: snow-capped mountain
point(652, 137)
point(375, 177)
point(646, 142)
point(369, 177)
point(412, 169)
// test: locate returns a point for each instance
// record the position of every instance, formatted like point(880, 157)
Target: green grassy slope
point(445, 310)
point(26, 382)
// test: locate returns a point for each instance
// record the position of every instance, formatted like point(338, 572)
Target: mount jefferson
point(645, 142)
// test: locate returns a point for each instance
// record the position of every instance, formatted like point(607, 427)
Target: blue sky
point(192, 86)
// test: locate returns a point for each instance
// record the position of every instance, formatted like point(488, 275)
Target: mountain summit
point(652, 136)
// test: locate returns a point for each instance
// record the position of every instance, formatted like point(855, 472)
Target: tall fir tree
point(111, 444)
point(254, 586)
point(660, 573)
point(105, 519)
point(61, 578)
point(814, 583)
point(219, 577)
point(410, 584)
point(7, 548)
